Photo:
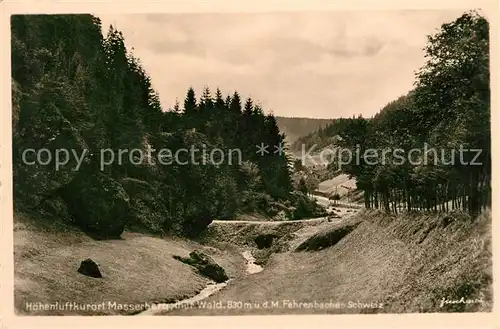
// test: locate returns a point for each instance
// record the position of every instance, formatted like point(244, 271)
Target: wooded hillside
point(77, 90)
point(437, 138)
point(294, 127)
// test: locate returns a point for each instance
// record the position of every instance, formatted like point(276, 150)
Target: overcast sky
point(323, 65)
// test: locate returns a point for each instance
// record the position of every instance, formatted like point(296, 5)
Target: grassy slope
point(136, 269)
point(337, 185)
point(408, 263)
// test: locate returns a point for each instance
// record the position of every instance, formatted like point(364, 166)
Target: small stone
point(89, 268)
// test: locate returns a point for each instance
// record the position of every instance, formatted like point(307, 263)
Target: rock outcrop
point(205, 265)
point(44, 135)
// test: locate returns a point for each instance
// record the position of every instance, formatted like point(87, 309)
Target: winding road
point(341, 211)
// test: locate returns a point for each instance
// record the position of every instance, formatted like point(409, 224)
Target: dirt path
point(269, 222)
point(341, 209)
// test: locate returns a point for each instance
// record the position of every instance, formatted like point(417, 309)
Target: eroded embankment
point(383, 263)
point(264, 238)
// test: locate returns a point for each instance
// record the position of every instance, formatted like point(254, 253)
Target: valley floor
point(398, 265)
point(388, 264)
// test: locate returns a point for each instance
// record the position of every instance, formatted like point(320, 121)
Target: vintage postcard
point(220, 163)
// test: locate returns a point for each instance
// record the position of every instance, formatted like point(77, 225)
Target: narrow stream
point(209, 290)
point(251, 266)
point(158, 309)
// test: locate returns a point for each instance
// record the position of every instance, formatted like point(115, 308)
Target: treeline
point(323, 137)
point(295, 127)
point(77, 90)
point(449, 111)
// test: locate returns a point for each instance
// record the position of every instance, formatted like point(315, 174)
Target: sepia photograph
point(251, 163)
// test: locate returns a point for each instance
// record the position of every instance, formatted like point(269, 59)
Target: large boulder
point(205, 265)
point(42, 128)
point(98, 204)
point(148, 210)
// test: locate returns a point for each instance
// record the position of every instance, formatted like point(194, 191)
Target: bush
point(306, 207)
point(147, 208)
point(335, 197)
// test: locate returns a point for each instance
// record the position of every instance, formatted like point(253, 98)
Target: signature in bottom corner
point(462, 300)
